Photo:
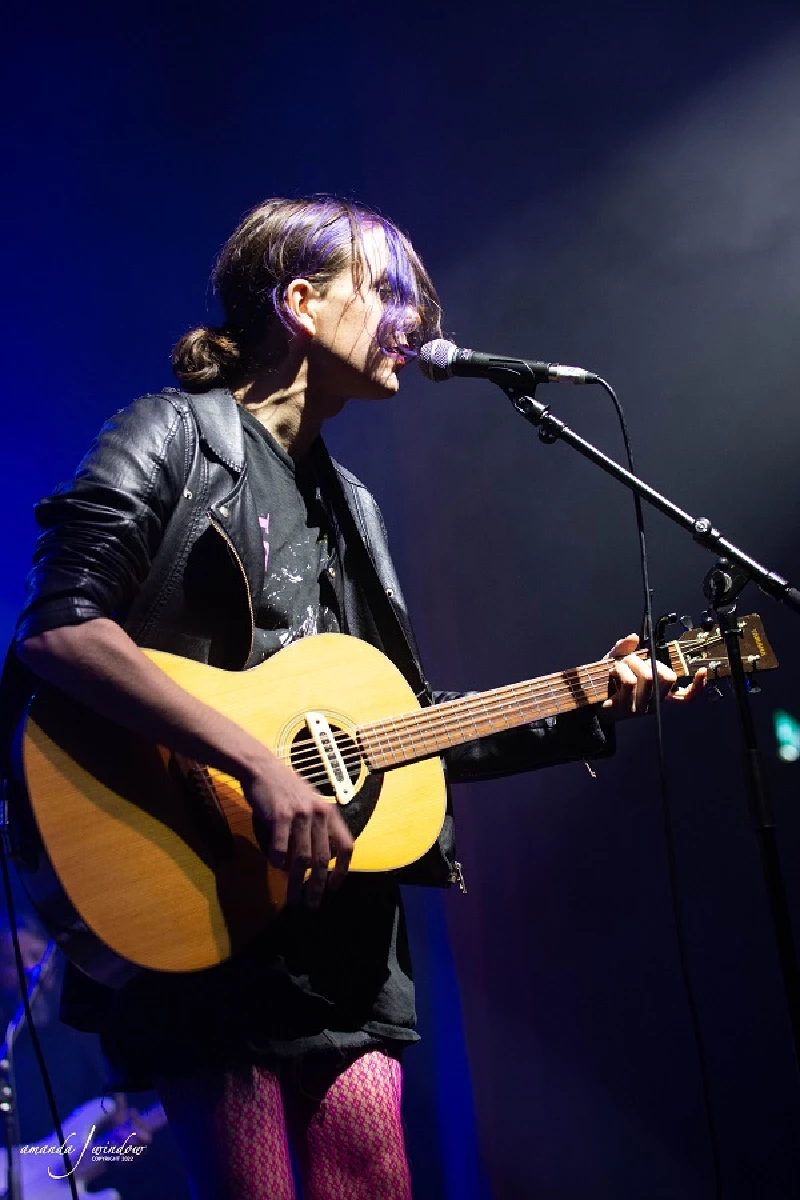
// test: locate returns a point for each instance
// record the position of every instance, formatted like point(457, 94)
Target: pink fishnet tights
point(233, 1130)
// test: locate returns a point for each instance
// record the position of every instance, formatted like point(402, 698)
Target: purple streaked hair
point(314, 238)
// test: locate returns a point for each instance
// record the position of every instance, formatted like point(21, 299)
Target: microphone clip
point(536, 413)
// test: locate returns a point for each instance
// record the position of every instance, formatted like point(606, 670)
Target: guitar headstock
point(699, 648)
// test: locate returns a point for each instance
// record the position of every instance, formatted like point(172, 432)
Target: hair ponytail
point(206, 357)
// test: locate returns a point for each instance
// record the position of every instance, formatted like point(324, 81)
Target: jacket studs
point(224, 512)
point(187, 493)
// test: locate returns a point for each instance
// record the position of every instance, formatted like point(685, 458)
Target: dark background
point(616, 185)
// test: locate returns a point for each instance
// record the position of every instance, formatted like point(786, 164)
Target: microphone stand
point(722, 586)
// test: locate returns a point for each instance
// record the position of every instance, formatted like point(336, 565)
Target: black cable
point(37, 1049)
point(672, 866)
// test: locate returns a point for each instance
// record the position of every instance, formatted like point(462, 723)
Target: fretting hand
point(631, 683)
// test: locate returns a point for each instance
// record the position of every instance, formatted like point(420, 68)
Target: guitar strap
point(387, 622)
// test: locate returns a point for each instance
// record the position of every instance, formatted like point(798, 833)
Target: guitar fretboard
point(429, 731)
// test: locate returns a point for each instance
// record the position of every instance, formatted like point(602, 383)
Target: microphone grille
point(435, 357)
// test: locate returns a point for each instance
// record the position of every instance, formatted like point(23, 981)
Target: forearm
point(98, 664)
point(586, 733)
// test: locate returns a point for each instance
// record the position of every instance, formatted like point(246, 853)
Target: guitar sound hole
point(306, 759)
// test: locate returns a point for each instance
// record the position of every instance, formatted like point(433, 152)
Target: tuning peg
point(707, 621)
point(687, 621)
point(753, 686)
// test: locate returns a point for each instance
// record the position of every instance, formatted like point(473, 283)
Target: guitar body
point(166, 872)
point(136, 863)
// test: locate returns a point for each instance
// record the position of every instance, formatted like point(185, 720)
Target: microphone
point(439, 360)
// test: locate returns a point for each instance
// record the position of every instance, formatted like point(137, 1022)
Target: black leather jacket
point(158, 529)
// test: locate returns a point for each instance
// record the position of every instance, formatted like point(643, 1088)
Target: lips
point(403, 353)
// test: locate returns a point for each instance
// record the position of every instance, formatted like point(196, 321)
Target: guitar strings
point(450, 717)
point(409, 728)
point(451, 712)
point(553, 685)
point(391, 734)
point(444, 719)
point(554, 688)
point(395, 734)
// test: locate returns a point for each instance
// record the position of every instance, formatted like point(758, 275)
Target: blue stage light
point(787, 735)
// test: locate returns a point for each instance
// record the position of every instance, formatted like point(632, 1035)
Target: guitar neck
point(429, 731)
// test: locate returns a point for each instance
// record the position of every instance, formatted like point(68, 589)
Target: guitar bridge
point(329, 752)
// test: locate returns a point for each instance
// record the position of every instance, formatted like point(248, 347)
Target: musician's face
point(344, 357)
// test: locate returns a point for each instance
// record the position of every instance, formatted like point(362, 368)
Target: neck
point(281, 401)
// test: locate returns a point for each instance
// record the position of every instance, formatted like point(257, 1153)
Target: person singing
point(202, 522)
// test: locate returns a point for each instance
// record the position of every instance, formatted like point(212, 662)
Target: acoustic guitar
point(144, 864)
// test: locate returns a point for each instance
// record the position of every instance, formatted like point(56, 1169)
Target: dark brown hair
point(281, 240)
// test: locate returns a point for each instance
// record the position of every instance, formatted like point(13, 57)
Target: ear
point(301, 299)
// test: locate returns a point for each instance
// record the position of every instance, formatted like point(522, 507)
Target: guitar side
point(170, 880)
